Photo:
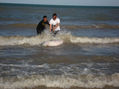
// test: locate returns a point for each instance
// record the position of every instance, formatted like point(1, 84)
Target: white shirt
point(54, 22)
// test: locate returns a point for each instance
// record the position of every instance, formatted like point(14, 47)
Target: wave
point(46, 36)
point(73, 75)
point(18, 25)
point(94, 40)
point(92, 26)
point(61, 81)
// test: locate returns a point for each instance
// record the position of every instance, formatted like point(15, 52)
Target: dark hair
point(54, 15)
point(44, 16)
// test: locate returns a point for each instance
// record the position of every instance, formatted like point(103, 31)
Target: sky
point(67, 2)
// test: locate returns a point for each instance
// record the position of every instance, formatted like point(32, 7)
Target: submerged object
point(53, 43)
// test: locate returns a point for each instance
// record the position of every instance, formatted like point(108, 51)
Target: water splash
point(47, 36)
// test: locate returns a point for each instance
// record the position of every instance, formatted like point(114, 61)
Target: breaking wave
point(61, 81)
point(46, 36)
point(57, 75)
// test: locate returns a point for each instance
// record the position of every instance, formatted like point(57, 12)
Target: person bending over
point(55, 24)
point(42, 25)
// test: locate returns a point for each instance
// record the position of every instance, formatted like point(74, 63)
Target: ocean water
point(88, 57)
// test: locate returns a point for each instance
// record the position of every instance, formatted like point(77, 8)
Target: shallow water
point(88, 58)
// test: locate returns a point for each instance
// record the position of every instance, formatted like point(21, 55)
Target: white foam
point(53, 43)
point(94, 40)
point(81, 77)
point(62, 81)
point(47, 37)
point(23, 65)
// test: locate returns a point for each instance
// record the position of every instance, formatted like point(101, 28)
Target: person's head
point(54, 16)
point(44, 18)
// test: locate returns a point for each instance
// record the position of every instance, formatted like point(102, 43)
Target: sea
point(87, 59)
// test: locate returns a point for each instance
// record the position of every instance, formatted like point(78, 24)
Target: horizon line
point(27, 4)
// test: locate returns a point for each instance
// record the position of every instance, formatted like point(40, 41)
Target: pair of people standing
point(54, 24)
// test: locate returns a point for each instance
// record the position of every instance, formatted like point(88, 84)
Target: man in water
point(54, 24)
point(42, 25)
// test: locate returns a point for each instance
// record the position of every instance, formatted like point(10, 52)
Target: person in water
point(42, 25)
point(54, 24)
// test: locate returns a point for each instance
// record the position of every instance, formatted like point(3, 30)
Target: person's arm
point(50, 27)
point(39, 25)
point(48, 23)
